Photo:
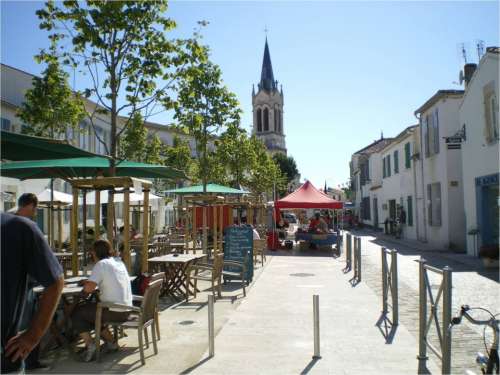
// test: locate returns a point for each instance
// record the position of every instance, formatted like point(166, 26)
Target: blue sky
point(349, 69)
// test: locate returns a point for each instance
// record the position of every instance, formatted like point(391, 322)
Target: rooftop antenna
point(464, 53)
point(480, 49)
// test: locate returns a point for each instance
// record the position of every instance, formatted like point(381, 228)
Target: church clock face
point(267, 105)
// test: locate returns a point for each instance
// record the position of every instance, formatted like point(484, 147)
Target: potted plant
point(489, 254)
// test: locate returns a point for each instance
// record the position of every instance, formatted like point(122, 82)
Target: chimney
point(469, 70)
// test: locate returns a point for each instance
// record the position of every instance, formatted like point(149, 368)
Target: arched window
point(280, 124)
point(276, 121)
point(259, 120)
point(266, 119)
point(281, 121)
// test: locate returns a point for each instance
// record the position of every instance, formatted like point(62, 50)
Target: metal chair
point(140, 318)
point(259, 248)
point(209, 272)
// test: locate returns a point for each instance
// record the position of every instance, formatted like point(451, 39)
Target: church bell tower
point(267, 106)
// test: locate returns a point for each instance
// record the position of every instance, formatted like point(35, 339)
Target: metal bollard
point(358, 256)
point(422, 346)
point(211, 331)
point(384, 281)
point(348, 254)
point(317, 354)
point(394, 289)
point(446, 350)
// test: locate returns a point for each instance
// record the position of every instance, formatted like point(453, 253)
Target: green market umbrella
point(25, 147)
point(211, 189)
point(86, 167)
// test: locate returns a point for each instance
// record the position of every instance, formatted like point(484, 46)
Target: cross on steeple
point(265, 30)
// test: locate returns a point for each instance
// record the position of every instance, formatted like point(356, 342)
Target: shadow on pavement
point(309, 366)
point(194, 367)
point(422, 367)
point(387, 329)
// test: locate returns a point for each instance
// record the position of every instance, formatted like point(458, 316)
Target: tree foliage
point(133, 142)
point(124, 48)
point(205, 106)
point(234, 152)
point(265, 174)
point(50, 106)
point(287, 166)
point(179, 156)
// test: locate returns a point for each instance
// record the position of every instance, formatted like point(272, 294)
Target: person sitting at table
point(317, 224)
point(111, 276)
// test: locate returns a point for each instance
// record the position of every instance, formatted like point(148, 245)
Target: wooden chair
point(140, 318)
point(240, 274)
point(206, 272)
point(259, 249)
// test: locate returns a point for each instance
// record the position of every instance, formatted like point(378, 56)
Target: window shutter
point(426, 135)
point(407, 155)
point(409, 214)
point(429, 204)
point(388, 165)
point(436, 131)
point(383, 168)
point(396, 161)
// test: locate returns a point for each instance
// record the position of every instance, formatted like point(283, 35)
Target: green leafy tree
point(50, 106)
point(287, 166)
point(234, 153)
point(133, 142)
point(179, 156)
point(264, 173)
point(204, 106)
point(153, 150)
point(124, 48)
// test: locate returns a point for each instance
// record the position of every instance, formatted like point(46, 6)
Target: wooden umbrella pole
point(97, 214)
point(74, 232)
point(194, 229)
point(84, 228)
point(205, 237)
point(221, 227)
point(59, 228)
point(145, 232)
point(110, 214)
point(126, 229)
point(214, 217)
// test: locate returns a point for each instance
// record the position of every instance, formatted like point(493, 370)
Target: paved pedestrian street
point(272, 329)
point(472, 285)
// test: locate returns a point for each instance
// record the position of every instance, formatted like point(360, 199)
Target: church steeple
point(267, 105)
point(267, 81)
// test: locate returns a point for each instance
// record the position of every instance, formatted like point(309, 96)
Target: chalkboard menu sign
point(238, 246)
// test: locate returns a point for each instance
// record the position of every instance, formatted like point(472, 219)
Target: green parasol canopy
point(25, 147)
point(211, 189)
point(87, 167)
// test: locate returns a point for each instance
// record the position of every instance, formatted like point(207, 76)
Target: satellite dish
point(461, 77)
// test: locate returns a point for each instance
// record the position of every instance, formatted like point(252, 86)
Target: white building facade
point(441, 172)
point(397, 189)
point(478, 118)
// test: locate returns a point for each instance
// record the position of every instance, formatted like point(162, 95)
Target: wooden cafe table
point(175, 267)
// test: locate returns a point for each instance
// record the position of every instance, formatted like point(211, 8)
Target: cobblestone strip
point(465, 341)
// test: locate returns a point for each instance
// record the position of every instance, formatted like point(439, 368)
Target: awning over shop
point(307, 196)
point(17, 147)
point(86, 167)
point(211, 189)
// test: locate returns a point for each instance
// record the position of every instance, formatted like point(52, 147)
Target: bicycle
point(489, 364)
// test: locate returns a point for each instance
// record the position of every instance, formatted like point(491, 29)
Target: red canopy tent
point(307, 196)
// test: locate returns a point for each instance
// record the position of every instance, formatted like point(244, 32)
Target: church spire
point(267, 81)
